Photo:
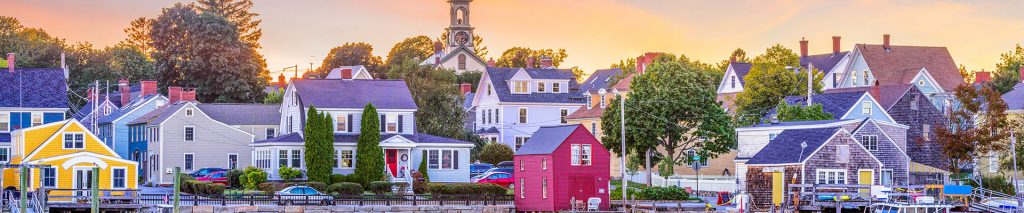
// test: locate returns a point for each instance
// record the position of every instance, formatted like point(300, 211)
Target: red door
point(391, 156)
point(582, 188)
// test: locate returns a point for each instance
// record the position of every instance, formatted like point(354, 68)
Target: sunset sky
point(595, 33)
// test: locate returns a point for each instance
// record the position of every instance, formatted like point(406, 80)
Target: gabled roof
point(786, 149)
point(741, 69)
point(33, 88)
point(1015, 98)
point(243, 114)
point(468, 102)
point(824, 62)
point(356, 71)
point(158, 114)
point(584, 112)
point(836, 103)
point(295, 137)
point(623, 85)
point(354, 94)
point(125, 110)
point(500, 76)
point(600, 79)
point(799, 123)
point(546, 139)
point(891, 66)
point(888, 94)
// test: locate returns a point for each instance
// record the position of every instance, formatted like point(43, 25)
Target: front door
point(391, 157)
point(778, 183)
point(582, 188)
point(866, 177)
point(83, 181)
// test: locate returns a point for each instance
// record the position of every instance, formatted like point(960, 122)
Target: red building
point(558, 164)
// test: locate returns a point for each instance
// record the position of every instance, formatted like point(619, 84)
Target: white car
point(303, 195)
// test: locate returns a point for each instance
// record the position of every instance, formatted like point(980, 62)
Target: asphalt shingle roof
point(600, 79)
point(1015, 98)
point(546, 139)
point(33, 88)
point(890, 94)
point(158, 114)
point(353, 138)
point(785, 148)
point(824, 62)
point(468, 102)
point(355, 93)
point(500, 77)
point(836, 103)
point(894, 65)
point(741, 69)
point(243, 114)
point(797, 123)
point(115, 114)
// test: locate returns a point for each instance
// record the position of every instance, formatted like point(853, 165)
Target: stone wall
point(328, 209)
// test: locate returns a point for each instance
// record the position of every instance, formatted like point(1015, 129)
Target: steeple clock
point(460, 33)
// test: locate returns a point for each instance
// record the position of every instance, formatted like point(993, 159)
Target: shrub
point(215, 189)
point(466, 189)
point(662, 193)
point(339, 178)
point(494, 153)
point(201, 188)
point(345, 188)
point(422, 170)
point(419, 184)
point(379, 187)
point(289, 174)
point(253, 177)
point(233, 178)
point(321, 187)
point(995, 183)
point(617, 193)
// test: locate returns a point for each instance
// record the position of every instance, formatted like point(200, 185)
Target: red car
point(219, 177)
point(500, 178)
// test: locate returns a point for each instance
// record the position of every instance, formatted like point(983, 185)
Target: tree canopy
point(979, 126)
point(437, 96)
point(416, 47)
point(351, 54)
point(769, 81)
point(518, 56)
point(319, 145)
point(238, 13)
point(369, 154)
point(1007, 72)
point(814, 112)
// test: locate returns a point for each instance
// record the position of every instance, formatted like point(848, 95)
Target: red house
point(558, 164)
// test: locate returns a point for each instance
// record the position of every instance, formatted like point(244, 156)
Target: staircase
point(33, 205)
point(984, 200)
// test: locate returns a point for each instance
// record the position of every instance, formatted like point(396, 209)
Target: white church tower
point(457, 53)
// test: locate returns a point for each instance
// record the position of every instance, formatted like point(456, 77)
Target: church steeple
point(460, 32)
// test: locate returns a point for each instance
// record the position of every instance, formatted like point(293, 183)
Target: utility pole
point(177, 188)
point(810, 82)
point(622, 160)
point(94, 184)
point(1016, 191)
point(22, 189)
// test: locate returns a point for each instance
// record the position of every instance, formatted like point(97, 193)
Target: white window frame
point(522, 188)
point(771, 136)
point(37, 118)
point(292, 158)
point(271, 132)
point(391, 123)
point(184, 133)
point(544, 164)
point(112, 177)
point(544, 187)
point(189, 112)
point(891, 177)
point(603, 102)
point(520, 87)
point(830, 176)
point(582, 155)
point(563, 113)
point(440, 154)
point(74, 141)
point(556, 87)
point(870, 142)
point(351, 157)
point(341, 123)
point(185, 164)
point(541, 86)
point(524, 115)
point(926, 131)
point(5, 122)
point(520, 142)
point(56, 177)
point(839, 153)
point(229, 161)
point(488, 89)
point(865, 108)
point(522, 165)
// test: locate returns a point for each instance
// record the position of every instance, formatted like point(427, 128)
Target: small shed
point(559, 164)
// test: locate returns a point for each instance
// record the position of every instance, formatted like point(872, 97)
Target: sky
point(595, 33)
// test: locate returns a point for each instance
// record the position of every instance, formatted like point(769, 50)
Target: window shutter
point(400, 124)
point(349, 123)
point(383, 122)
point(455, 159)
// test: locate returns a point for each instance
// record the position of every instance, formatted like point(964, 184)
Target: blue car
point(479, 168)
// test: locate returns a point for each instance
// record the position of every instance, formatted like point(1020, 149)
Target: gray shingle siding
point(921, 151)
point(825, 158)
point(887, 152)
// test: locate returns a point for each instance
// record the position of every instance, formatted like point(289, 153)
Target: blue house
point(29, 97)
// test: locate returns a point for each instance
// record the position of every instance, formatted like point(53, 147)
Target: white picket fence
point(713, 183)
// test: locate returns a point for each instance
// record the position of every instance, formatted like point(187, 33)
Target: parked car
point(303, 195)
point(479, 168)
point(506, 164)
point(500, 178)
point(205, 171)
point(492, 170)
point(218, 177)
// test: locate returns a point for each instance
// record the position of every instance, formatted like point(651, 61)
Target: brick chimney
point(982, 77)
point(644, 60)
point(876, 90)
point(1021, 71)
point(280, 81)
point(346, 73)
point(173, 94)
point(885, 42)
point(529, 62)
point(491, 63)
point(148, 87)
point(546, 63)
point(126, 91)
point(803, 48)
point(835, 44)
point(10, 62)
point(466, 88)
point(188, 94)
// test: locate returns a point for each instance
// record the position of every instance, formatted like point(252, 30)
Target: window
point(522, 187)
point(854, 78)
point(189, 161)
point(494, 139)
point(865, 107)
point(886, 177)
point(842, 153)
point(496, 117)
point(866, 83)
point(580, 154)
point(271, 133)
point(993, 163)
point(49, 175)
point(488, 89)
point(334, 162)
point(232, 161)
point(520, 141)
point(392, 123)
point(590, 102)
point(462, 61)
point(870, 142)
point(118, 178)
point(190, 133)
point(913, 102)
point(564, 113)
point(188, 112)
point(522, 165)
point(443, 159)
point(834, 79)
point(522, 115)
point(5, 122)
point(733, 82)
point(593, 129)
point(920, 82)
point(556, 87)
point(282, 158)
point(520, 87)
point(831, 176)
point(5, 154)
point(432, 159)
point(296, 158)
point(37, 118)
point(540, 86)
point(446, 159)
point(74, 141)
point(603, 102)
point(926, 131)
point(771, 136)
point(544, 164)
point(341, 124)
point(347, 157)
point(290, 121)
point(485, 116)
point(703, 161)
point(544, 187)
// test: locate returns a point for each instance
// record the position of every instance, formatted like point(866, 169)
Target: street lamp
point(803, 145)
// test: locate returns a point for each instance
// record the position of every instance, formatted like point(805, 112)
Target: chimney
point(491, 63)
point(640, 65)
point(173, 94)
point(148, 87)
point(466, 88)
point(835, 44)
point(89, 93)
point(10, 62)
point(126, 91)
point(188, 94)
point(644, 60)
point(982, 77)
point(546, 63)
point(346, 73)
point(876, 90)
point(1021, 71)
point(280, 81)
point(885, 42)
point(529, 62)
point(803, 48)
point(438, 46)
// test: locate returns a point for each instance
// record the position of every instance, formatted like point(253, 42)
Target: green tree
point(671, 108)
point(769, 81)
point(814, 112)
point(289, 174)
point(978, 127)
point(628, 67)
point(274, 97)
point(239, 13)
point(1007, 72)
point(369, 155)
point(416, 47)
point(478, 44)
point(518, 56)
point(423, 167)
point(138, 34)
point(436, 94)
point(494, 153)
point(319, 145)
point(351, 54)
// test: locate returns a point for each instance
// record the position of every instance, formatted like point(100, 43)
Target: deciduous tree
point(518, 56)
point(239, 13)
point(1008, 69)
point(494, 153)
point(978, 127)
point(351, 54)
point(814, 112)
point(769, 81)
point(416, 47)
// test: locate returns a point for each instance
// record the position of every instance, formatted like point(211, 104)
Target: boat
point(899, 207)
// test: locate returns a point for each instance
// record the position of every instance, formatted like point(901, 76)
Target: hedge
point(345, 188)
point(272, 187)
point(234, 178)
point(340, 178)
point(201, 188)
point(466, 189)
point(379, 187)
point(652, 193)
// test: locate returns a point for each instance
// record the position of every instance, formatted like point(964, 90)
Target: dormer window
point(854, 78)
point(520, 87)
point(733, 82)
point(602, 101)
point(488, 89)
point(590, 103)
point(865, 108)
point(866, 77)
point(556, 87)
point(540, 86)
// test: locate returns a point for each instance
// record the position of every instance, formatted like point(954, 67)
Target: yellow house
point(71, 152)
